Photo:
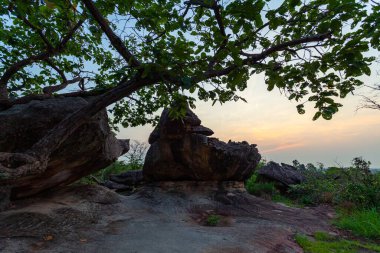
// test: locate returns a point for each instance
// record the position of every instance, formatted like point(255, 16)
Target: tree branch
point(218, 16)
point(5, 104)
point(39, 32)
point(51, 89)
point(369, 103)
point(116, 42)
point(285, 45)
point(35, 160)
point(254, 59)
point(66, 127)
point(34, 58)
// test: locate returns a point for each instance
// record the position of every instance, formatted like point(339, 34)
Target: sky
point(271, 121)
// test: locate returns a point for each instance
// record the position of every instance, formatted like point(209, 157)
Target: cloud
point(282, 147)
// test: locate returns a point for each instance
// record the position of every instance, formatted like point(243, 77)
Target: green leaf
point(317, 115)
point(186, 82)
point(300, 109)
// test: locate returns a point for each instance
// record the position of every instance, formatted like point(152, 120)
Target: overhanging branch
point(116, 42)
point(34, 58)
point(51, 89)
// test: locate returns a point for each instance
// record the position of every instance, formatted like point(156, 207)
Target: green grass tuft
point(324, 243)
point(323, 236)
point(278, 198)
point(213, 220)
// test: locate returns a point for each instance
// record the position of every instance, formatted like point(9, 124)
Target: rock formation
point(283, 175)
point(182, 150)
point(169, 218)
point(125, 181)
point(90, 148)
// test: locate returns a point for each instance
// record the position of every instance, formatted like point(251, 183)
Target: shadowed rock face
point(126, 181)
point(181, 150)
point(90, 148)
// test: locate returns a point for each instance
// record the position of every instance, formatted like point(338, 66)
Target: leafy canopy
point(313, 50)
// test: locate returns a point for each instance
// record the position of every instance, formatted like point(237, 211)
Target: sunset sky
point(282, 135)
point(271, 121)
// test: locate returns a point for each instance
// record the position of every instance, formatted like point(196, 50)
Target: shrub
point(103, 175)
point(249, 184)
point(356, 185)
point(315, 190)
point(261, 189)
point(133, 160)
point(365, 223)
point(359, 186)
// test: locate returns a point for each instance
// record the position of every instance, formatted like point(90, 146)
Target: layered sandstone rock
point(181, 150)
point(90, 148)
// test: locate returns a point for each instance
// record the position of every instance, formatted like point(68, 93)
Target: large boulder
point(282, 175)
point(181, 150)
point(91, 147)
point(125, 181)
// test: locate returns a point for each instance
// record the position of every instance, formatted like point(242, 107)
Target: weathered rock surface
point(181, 150)
point(165, 217)
point(90, 148)
point(284, 175)
point(5, 194)
point(125, 181)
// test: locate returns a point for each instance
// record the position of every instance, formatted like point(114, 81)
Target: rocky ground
point(164, 217)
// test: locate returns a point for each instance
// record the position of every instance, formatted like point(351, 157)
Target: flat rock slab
point(166, 217)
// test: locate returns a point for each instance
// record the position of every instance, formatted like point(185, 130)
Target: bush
point(365, 223)
point(249, 184)
point(103, 175)
point(356, 185)
point(133, 160)
point(313, 191)
point(259, 189)
point(360, 187)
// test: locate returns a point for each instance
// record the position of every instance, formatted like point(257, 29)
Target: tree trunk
point(3, 93)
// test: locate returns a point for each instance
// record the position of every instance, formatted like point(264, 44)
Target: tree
point(371, 29)
point(144, 55)
point(371, 102)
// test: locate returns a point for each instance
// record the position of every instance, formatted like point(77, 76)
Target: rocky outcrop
point(125, 181)
point(169, 217)
point(283, 175)
point(181, 150)
point(90, 148)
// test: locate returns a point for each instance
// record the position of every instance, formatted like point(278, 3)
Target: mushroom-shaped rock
point(181, 150)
